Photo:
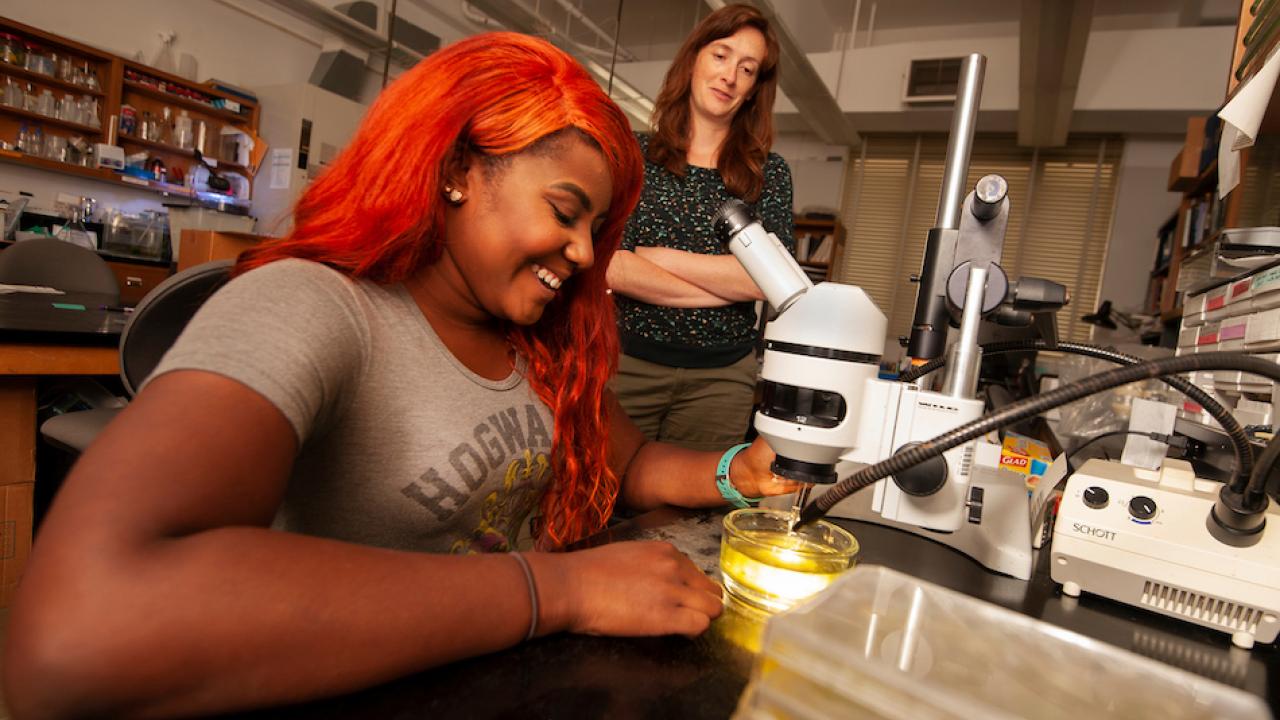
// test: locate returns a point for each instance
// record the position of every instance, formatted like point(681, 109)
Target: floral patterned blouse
point(676, 212)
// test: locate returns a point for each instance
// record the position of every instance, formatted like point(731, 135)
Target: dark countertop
point(568, 676)
point(36, 317)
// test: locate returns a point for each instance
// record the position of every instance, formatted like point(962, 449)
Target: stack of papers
point(6, 289)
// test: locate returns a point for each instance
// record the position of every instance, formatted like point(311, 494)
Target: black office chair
point(58, 264)
point(151, 330)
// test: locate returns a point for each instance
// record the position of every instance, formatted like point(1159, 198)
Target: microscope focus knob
point(922, 479)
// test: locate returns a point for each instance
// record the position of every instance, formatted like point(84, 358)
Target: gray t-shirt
point(401, 446)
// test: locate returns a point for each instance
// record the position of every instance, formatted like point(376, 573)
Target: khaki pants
point(695, 408)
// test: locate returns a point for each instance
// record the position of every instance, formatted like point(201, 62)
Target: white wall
point(817, 171)
point(1154, 69)
point(227, 44)
point(1142, 206)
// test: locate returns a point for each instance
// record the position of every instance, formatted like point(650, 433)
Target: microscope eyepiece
point(730, 219)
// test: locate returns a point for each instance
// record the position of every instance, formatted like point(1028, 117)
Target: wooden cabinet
point(117, 85)
point(55, 94)
point(202, 246)
point(136, 279)
point(819, 246)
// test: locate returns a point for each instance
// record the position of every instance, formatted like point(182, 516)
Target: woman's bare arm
point(156, 587)
point(656, 474)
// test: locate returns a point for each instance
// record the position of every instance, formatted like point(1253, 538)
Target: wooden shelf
point(154, 145)
point(1174, 313)
point(183, 102)
point(21, 72)
point(1206, 180)
point(187, 152)
point(37, 117)
point(1201, 247)
point(99, 174)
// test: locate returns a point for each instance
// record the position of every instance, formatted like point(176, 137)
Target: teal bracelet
point(726, 488)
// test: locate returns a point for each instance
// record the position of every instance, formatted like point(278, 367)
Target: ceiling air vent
point(932, 81)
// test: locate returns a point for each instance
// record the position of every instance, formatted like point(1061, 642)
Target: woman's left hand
point(750, 474)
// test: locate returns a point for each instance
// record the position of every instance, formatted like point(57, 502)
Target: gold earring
point(454, 194)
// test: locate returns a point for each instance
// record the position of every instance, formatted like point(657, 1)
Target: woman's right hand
point(624, 589)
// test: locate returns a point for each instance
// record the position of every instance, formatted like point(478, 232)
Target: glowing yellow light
point(772, 569)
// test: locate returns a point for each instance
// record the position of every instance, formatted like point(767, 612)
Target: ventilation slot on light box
point(1207, 608)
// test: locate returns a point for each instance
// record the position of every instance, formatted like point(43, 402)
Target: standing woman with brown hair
point(686, 308)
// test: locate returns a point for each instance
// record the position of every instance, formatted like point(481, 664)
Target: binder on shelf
point(821, 252)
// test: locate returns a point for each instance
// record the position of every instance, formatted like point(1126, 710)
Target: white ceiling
point(653, 29)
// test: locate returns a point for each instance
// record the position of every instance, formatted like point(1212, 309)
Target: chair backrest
point(162, 315)
point(58, 264)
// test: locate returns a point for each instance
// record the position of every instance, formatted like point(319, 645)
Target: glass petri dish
point(768, 568)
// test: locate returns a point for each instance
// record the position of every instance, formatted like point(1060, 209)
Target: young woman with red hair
point(686, 308)
point(299, 501)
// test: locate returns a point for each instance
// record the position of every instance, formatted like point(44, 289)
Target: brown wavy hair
point(742, 158)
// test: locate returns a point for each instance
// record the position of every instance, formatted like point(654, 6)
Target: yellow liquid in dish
point(773, 571)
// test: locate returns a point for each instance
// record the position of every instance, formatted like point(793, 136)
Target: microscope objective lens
point(802, 497)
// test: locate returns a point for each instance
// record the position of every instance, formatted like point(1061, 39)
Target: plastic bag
point(1107, 410)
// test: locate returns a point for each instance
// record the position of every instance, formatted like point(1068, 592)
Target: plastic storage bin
point(881, 644)
point(145, 234)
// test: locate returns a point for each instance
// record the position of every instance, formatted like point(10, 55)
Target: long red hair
point(378, 213)
point(745, 150)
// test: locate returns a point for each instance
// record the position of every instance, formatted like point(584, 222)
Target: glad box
point(1025, 455)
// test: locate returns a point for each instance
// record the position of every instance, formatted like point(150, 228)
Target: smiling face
point(725, 74)
point(525, 226)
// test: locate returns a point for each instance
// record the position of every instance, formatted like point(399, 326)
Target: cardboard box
point(201, 246)
point(1025, 455)
point(15, 536)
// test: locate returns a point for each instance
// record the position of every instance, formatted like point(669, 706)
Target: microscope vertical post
point(965, 359)
point(931, 320)
point(960, 143)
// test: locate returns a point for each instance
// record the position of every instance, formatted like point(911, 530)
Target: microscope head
point(818, 357)
point(818, 353)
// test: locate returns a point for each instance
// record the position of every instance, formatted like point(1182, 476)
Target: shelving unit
point(123, 82)
point(22, 73)
point(56, 122)
point(1196, 227)
point(819, 246)
point(182, 152)
point(98, 63)
point(178, 100)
